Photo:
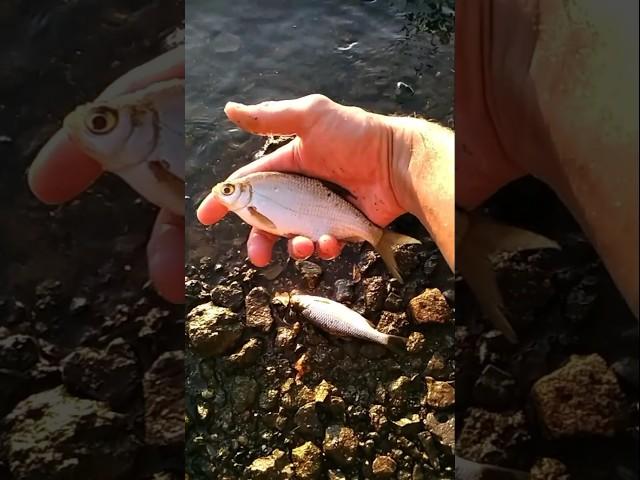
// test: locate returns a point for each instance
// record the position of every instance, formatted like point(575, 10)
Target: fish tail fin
point(480, 239)
point(396, 344)
point(385, 246)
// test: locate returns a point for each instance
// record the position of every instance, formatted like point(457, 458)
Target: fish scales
point(308, 207)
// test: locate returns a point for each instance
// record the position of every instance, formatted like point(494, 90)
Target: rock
point(439, 394)
point(431, 264)
point(258, 307)
point(375, 292)
point(340, 445)
point(367, 260)
point(408, 257)
point(307, 421)
point(230, 296)
point(18, 352)
point(56, 436)
point(495, 438)
point(549, 469)
point(581, 398)
point(430, 307)
point(437, 366)
point(495, 389)
point(267, 468)
point(373, 351)
point(416, 342)
point(336, 475)
point(242, 392)
point(442, 427)
point(213, 330)
point(383, 467)
point(311, 272)
point(378, 417)
point(307, 461)
point(285, 338)
point(398, 391)
point(409, 425)
point(394, 302)
point(343, 291)
point(111, 375)
point(628, 372)
point(163, 387)
point(248, 353)
point(323, 391)
point(393, 323)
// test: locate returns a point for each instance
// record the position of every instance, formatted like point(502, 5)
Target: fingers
point(210, 210)
point(167, 66)
point(328, 247)
point(284, 117)
point(259, 247)
point(300, 248)
point(281, 160)
point(165, 253)
point(60, 171)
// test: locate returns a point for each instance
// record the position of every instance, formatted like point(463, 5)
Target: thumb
point(283, 117)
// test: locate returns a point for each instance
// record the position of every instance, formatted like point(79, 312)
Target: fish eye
point(228, 189)
point(102, 120)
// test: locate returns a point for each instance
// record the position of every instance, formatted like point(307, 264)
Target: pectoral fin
point(261, 220)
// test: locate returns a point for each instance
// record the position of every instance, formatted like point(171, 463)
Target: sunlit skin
point(391, 166)
point(551, 90)
point(61, 171)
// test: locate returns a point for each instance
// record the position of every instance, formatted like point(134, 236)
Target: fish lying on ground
point(288, 205)
point(140, 137)
point(477, 238)
point(337, 319)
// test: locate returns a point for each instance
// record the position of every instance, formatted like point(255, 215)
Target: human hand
point(363, 152)
point(61, 171)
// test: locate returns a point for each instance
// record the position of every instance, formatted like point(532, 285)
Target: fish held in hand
point(139, 136)
point(288, 205)
point(339, 320)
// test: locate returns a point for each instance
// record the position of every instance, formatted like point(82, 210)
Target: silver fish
point(338, 319)
point(140, 137)
point(288, 205)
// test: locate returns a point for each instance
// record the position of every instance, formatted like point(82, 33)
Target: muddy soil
point(84, 339)
point(568, 391)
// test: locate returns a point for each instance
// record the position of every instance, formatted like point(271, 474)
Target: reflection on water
point(353, 52)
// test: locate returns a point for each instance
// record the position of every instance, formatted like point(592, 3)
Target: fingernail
point(234, 105)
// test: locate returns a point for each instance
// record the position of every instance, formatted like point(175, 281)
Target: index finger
point(60, 170)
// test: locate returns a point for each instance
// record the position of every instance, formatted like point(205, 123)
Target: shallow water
point(355, 53)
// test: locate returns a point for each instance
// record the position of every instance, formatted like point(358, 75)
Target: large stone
point(307, 461)
point(164, 400)
point(267, 468)
point(430, 307)
point(340, 445)
point(111, 375)
point(56, 436)
point(213, 330)
point(258, 308)
point(581, 398)
point(383, 467)
point(230, 296)
point(439, 394)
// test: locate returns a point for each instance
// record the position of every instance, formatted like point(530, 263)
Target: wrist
point(422, 176)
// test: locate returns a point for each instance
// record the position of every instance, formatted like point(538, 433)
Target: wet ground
point(517, 404)
point(81, 330)
point(269, 396)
